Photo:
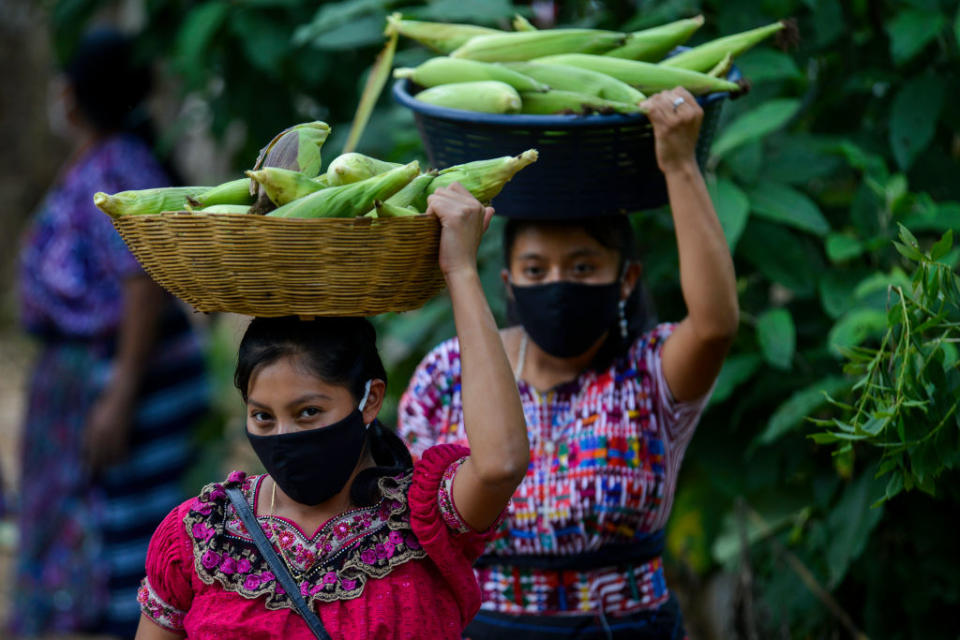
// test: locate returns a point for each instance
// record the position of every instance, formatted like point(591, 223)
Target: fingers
point(665, 109)
point(487, 217)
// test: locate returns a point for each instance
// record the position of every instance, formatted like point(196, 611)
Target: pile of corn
point(572, 71)
point(287, 182)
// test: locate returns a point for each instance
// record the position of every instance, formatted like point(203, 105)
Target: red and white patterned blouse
point(605, 450)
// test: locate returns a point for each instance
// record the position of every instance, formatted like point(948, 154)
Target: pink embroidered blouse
point(400, 569)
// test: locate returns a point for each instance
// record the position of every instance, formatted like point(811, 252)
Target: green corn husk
point(484, 178)
point(146, 201)
point(557, 101)
point(651, 45)
point(440, 36)
point(414, 195)
point(384, 209)
point(707, 55)
point(645, 76)
point(443, 70)
point(376, 80)
point(579, 80)
point(225, 208)
point(522, 24)
point(233, 192)
point(527, 45)
point(283, 186)
point(353, 167)
point(488, 96)
point(300, 153)
point(349, 200)
point(722, 67)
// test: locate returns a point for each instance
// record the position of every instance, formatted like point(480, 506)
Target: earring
point(622, 308)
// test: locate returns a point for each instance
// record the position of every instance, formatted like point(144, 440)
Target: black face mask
point(312, 466)
point(567, 318)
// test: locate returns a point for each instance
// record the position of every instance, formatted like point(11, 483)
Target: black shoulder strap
point(276, 565)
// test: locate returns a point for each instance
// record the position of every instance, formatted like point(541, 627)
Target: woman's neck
point(545, 371)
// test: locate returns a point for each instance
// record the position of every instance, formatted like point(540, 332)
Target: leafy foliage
point(839, 142)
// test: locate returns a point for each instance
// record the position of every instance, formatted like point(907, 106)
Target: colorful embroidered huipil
point(399, 569)
point(605, 452)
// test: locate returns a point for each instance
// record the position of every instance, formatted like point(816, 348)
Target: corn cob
point(484, 178)
point(233, 192)
point(439, 36)
point(707, 55)
point(225, 208)
point(413, 195)
point(557, 101)
point(283, 186)
point(722, 67)
point(146, 201)
point(652, 44)
point(489, 96)
point(645, 76)
point(354, 167)
point(349, 200)
point(443, 70)
point(585, 81)
point(526, 45)
point(296, 148)
point(384, 209)
point(522, 24)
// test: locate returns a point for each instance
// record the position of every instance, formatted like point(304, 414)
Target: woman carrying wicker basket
point(390, 544)
point(610, 406)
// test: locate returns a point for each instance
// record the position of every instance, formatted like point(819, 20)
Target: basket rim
point(358, 221)
point(401, 93)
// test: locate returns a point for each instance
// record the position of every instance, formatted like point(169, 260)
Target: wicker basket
point(589, 165)
point(261, 266)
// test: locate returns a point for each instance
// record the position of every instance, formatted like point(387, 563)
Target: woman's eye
point(260, 416)
point(310, 412)
point(583, 269)
point(532, 272)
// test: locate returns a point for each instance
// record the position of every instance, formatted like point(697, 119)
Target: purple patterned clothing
point(73, 260)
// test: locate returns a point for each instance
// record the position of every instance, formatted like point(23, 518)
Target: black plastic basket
point(589, 165)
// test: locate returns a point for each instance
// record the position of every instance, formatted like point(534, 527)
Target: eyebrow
point(578, 253)
point(301, 400)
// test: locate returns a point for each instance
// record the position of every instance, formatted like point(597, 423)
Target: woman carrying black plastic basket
point(610, 408)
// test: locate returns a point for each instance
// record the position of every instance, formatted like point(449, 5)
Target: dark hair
point(108, 81)
point(613, 232)
point(339, 351)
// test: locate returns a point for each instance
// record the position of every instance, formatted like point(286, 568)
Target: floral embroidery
point(334, 565)
point(445, 499)
point(157, 610)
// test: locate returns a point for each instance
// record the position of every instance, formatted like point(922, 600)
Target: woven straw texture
point(261, 266)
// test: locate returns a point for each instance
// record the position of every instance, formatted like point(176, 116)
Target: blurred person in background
point(611, 404)
point(120, 377)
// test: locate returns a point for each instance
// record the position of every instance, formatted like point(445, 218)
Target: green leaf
point(332, 15)
point(733, 208)
point(762, 120)
point(913, 117)
point(942, 217)
point(736, 370)
point(942, 246)
point(762, 65)
point(910, 31)
point(850, 523)
point(908, 252)
point(907, 237)
point(836, 290)
point(193, 38)
point(777, 336)
point(785, 205)
point(781, 256)
point(265, 41)
point(801, 404)
point(842, 247)
point(855, 327)
point(472, 11)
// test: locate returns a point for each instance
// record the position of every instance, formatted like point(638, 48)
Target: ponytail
point(391, 457)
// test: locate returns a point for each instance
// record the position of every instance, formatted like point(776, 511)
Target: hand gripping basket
point(588, 165)
point(262, 266)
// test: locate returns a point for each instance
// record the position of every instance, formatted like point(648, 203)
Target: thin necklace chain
point(521, 357)
point(273, 501)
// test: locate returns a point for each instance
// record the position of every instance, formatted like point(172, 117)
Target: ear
point(378, 390)
point(631, 276)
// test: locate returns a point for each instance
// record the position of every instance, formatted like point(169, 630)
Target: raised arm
point(492, 413)
point(693, 354)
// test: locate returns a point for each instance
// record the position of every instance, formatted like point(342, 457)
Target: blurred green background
point(842, 138)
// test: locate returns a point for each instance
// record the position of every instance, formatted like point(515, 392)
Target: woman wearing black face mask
point(610, 408)
point(370, 543)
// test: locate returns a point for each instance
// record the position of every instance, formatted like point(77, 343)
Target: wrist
point(685, 169)
point(460, 276)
